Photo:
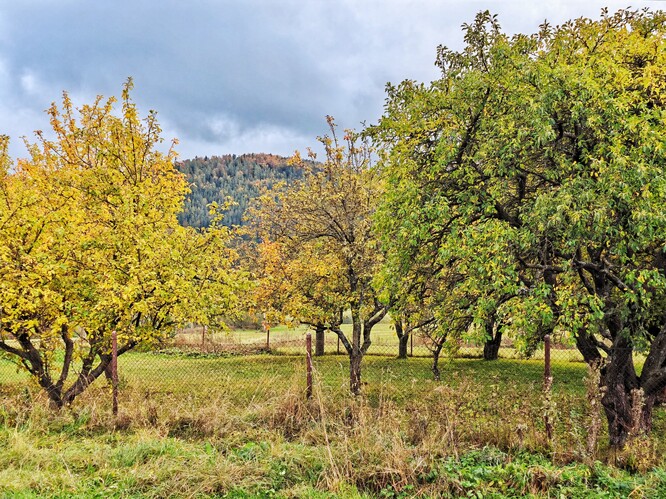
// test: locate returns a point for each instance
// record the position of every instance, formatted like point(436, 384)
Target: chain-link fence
point(552, 389)
point(195, 361)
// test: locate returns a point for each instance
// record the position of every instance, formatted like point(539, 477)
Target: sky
point(234, 77)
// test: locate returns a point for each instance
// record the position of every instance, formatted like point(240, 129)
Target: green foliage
point(239, 178)
point(526, 184)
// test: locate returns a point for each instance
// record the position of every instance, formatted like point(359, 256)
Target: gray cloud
point(236, 76)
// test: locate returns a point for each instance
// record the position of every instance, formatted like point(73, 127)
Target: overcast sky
point(238, 76)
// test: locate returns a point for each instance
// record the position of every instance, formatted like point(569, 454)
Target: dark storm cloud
point(234, 76)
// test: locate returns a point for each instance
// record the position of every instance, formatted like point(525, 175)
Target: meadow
point(208, 425)
point(291, 340)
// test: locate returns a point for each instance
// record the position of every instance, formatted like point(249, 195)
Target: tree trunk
point(628, 413)
point(435, 360)
point(617, 407)
point(319, 340)
point(403, 343)
point(629, 400)
point(492, 346)
point(355, 359)
point(356, 354)
point(661, 397)
point(620, 399)
point(493, 341)
point(403, 339)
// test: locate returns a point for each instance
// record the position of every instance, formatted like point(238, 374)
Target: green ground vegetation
point(202, 425)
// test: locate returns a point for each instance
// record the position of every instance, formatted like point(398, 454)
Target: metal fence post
point(308, 357)
point(114, 372)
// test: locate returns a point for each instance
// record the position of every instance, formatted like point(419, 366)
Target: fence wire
point(196, 360)
point(244, 367)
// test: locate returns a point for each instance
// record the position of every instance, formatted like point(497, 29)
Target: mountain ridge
point(239, 177)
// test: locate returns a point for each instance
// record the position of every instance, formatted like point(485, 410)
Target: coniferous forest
point(238, 178)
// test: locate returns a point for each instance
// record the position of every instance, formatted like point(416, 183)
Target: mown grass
point(241, 427)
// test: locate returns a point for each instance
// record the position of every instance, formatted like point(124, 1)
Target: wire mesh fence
point(243, 368)
point(195, 360)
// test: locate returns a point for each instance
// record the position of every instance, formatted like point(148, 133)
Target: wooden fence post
point(267, 329)
point(547, 386)
point(114, 372)
point(308, 357)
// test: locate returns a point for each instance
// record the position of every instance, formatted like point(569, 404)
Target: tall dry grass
point(403, 436)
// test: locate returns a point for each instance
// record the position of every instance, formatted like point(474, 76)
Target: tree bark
point(492, 345)
point(355, 359)
point(618, 377)
point(435, 360)
point(403, 343)
point(617, 407)
point(493, 334)
point(319, 340)
point(403, 339)
point(491, 348)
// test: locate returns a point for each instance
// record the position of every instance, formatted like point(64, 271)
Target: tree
point(300, 284)
point(411, 295)
point(323, 225)
point(90, 243)
point(535, 166)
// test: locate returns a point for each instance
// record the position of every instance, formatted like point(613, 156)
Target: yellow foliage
point(90, 243)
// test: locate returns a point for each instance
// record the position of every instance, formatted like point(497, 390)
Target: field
point(201, 425)
point(285, 340)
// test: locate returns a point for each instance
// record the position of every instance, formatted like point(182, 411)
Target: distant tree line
point(238, 178)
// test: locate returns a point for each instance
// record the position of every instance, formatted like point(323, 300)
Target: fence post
point(114, 372)
point(266, 327)
point(547, 385)
point(308, 357)
point(203, 339)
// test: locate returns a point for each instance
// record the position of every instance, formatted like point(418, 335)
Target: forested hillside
point(239, 177)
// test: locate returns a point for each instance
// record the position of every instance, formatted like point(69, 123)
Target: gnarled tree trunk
point(629, 399)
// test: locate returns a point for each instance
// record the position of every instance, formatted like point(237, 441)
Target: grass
point(286, 340)
point(240, 426)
